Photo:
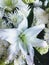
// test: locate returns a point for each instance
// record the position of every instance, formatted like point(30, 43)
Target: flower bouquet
point(24, 31)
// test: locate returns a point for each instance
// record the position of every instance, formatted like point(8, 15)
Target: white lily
point(24, 41)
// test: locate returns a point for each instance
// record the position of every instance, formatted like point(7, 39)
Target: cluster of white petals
point(17, 41)
point(24, 41)
point(40, 16)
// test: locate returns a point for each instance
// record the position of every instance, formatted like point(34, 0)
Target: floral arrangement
point(21, 24)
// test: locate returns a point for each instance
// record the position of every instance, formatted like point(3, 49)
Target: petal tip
point(42, 26)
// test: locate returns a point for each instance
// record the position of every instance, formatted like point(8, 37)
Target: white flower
point(23, 7)
point(40, 16)
point(37, 3)
point(17, 18)
point(46, 2)
point(9, 4)
point(24, 41)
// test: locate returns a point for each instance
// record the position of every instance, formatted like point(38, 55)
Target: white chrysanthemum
point(15, 18)
point(23, 7)
point(9, 4)
point(24, 41)
point(40, 16)
point(18, 18)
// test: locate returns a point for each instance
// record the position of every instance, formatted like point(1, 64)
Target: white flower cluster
point(41, 16)
point(20, 39)
point(18, 11)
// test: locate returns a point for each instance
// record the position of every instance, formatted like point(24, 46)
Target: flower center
point(23, 38)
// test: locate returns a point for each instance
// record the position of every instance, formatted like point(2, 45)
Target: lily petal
point(38, 43)
point(31, 52)
point(9, 35)
point(22, 48)
point(34, 31)
point(23, 25)
point(20, 4)
point(29, 61)
point(29, 58)
point(12, 52)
